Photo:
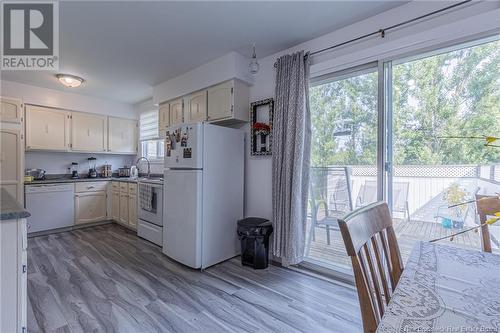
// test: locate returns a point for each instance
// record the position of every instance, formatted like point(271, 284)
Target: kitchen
point(159, 168)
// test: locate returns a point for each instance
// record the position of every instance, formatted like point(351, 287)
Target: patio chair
point(370, 241)
point(486, 206)
point(368, 194)
point(325, 213)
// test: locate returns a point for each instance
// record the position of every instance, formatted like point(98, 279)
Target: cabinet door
point(11, 170)
point(163, 118)
point(90, 207)
point(10, 110)
point(122, 135)
point(220, 101)
point(115, 206)
point(47, 128)
point(176, 108)
point(124, 208)
point(88, 132)
point(132, 211)
point(196, 107)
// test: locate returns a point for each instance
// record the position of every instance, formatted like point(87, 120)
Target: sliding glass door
point(432, 111)
point(343, 158)
point(442, 105)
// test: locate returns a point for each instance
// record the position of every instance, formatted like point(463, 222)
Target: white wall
point(59, 162)
point(230, 66)
point(66, 100)
point(476, 18)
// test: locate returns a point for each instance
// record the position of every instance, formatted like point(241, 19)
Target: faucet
point(149, 165)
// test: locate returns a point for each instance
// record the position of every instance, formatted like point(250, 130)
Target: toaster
point(124, 172)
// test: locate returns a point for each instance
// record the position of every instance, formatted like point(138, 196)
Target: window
point(152, 146)
point(422, 150)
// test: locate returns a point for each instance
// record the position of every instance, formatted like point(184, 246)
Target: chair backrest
point(486, 205)
point(371, 243)
point(399, 196)
point(367, 193)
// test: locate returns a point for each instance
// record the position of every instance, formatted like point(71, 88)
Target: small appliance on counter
point(107, 171)
point(37, 174)
point(92, 167)
point(124, 172)
point(74, 170)
point(134, 171)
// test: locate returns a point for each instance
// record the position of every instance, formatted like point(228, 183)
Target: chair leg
point(408, 211)
point(327, 234)
point(311, 236)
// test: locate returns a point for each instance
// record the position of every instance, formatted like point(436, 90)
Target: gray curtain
point(291, 153)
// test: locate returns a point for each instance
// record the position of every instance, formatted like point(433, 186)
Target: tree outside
point(450, 94)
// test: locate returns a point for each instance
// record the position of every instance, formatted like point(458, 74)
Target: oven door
point(155, 216)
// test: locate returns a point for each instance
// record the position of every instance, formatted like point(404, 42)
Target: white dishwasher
point(51, 206)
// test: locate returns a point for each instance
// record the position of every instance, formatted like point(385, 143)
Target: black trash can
point(254, 235)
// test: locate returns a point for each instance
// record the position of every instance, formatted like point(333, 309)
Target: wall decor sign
point(261, 127)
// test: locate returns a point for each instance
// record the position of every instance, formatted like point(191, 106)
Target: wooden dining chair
point(371, 243)
point(486, 206)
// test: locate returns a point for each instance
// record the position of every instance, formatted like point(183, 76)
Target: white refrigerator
point(203, 193)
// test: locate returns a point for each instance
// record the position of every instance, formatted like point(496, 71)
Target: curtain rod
point(382, 31)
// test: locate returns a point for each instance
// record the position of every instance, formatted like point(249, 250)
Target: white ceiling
point(122, 49)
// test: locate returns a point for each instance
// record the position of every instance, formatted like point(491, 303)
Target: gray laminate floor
point(106, 279)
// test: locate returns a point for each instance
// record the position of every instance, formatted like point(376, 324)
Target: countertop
point(10, 209)
point(63, 180)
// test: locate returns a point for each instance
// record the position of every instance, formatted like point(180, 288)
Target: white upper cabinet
point(10, 110)
point(196, 107)
point(228, 102)
point(122, 135)
point(163, 118)
point(220, 101)
point(88, 132)
point(11, 162)
point(47, 128)
point(176, 108)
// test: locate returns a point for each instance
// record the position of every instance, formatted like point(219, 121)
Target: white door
point(10, 110)
point(176, 107)
point(11, 170)
point(196, 107)
point(122, 135)
point(220, 101)
point(182, 216)
point(47, 128)
point(88, 132)
point(163, 118)
point(90, 207)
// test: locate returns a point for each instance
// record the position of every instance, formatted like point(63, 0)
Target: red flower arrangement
point(261, 128)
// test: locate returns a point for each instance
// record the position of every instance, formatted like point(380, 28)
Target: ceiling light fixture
point(254, 65)
point(70, 81)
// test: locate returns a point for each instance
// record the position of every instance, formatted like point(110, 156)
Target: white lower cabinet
point(115, 205)
point(13, 275)
point(124, 203)
point(90, 202)
point(132, 211)
point(124, 208)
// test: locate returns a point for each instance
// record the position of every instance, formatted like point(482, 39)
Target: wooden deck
point(408, 232)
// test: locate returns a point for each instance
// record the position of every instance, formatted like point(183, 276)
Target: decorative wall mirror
point(261, 125)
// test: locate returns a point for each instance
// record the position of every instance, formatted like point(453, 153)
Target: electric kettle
point(134, 172)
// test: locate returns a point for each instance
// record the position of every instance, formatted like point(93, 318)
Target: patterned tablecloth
point(446, 289)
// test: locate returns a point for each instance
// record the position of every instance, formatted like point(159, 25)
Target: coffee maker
point(74, 170)
point(92, 167)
